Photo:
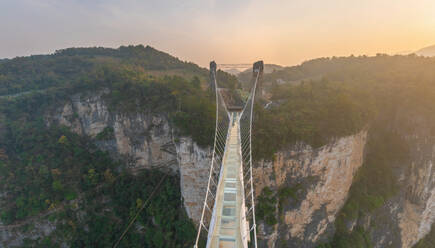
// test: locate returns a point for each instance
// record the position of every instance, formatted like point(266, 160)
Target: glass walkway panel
point(227, 230)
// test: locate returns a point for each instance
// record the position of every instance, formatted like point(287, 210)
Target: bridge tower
point(258, 69)
point(213, 68)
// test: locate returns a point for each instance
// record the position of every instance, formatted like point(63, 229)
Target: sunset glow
point(278, 31)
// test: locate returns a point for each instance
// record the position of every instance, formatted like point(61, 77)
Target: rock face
point(145, 140)
point(323, 177)
point(418, 196)
point(408, 217)
point(194, 170)
point(14, 235)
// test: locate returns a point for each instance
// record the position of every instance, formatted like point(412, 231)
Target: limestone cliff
point(323, 177)
point(145, 140)
point(15, 235)
point(408, 216)
point(194, 170)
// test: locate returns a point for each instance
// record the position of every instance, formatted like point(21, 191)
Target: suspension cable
point(140, 210)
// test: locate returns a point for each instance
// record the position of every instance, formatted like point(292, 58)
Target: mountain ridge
point(428, 51)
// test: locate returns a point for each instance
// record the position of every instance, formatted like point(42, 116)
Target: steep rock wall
point(408, 216)
point(15, 235)
point(323, 176)
point(144, 140)
point(194, 170)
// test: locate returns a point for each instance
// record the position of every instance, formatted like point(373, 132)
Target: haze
point(277, 31)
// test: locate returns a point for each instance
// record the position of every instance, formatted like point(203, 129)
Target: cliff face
point(408, 216)
point(194, 171)
point(320, 178)
point(144, 140)
point(418, 195)
point(15, 235)
point(310, 185)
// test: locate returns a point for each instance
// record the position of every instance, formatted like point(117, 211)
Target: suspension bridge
point(228, 214)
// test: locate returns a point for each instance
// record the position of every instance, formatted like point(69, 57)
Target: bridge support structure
point(228, 214)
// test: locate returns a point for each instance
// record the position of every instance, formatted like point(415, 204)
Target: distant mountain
point(404, 52)
point(232, 71)
point(268, 68)
point(66, 66)
point(427, 51)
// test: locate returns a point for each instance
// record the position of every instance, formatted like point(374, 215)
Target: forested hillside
point(346, 95)
point(63, 179)
point(328, 98)
point(67, 184)
point(65, 67)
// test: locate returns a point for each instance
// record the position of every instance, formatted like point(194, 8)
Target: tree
point(63, 140)
point(57, 186)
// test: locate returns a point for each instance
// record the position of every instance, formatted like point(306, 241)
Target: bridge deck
point(227, 225)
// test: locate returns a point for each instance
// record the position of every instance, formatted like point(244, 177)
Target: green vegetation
point(53, 174)
point(78, 187)
point(285, 193)
point(68, 181)
point(138, 79)
point(63, 167)
point(373, 185)
point(226, 80)
point(330, 98)
point(375, 181)
point(266, 207)
point(312, 112)
point(190, 108)
point(45, 71)
point(357, 239)
point(349, 94)
point(106, 134)
point(268, 201)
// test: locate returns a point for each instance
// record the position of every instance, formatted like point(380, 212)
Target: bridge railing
point(219, 149)
point(246, 117)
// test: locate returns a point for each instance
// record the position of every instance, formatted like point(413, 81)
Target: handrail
point(222, 125)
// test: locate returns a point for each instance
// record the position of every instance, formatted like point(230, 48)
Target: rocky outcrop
point(145, 140)
point(323, 176)
point(194, 170)
point(418, 198)
point(408, 216)
point(16, 235)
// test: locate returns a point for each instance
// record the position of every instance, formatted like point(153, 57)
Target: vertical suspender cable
point(212, 162)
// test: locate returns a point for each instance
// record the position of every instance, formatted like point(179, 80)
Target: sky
point(285, 32)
